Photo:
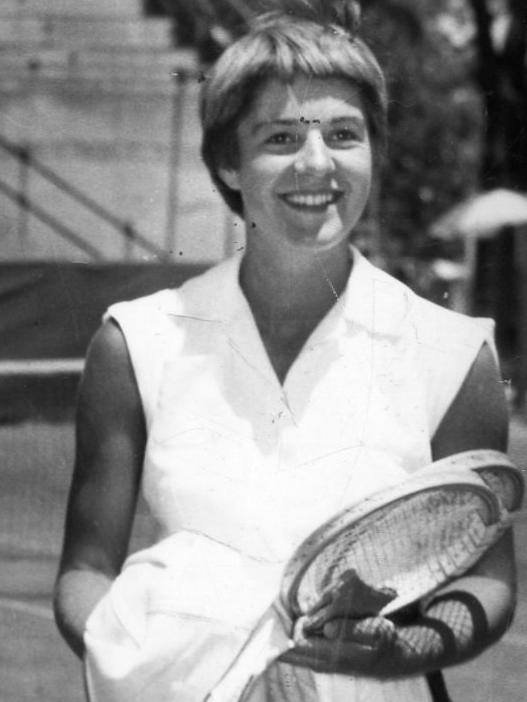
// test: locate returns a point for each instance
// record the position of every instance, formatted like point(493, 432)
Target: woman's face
point(305, 163)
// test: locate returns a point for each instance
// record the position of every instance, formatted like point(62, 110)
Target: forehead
point(309, 99)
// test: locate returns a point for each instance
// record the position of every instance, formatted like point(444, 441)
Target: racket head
point(496, 469)
point(412, 537)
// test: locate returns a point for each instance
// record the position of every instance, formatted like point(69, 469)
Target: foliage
point(501, 42)
point(435, 115)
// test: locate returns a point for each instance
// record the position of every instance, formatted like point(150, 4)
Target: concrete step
point(28, 62)
point(78, 32)
point(105, 8)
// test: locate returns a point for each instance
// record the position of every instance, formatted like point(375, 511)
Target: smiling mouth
point(312, 201)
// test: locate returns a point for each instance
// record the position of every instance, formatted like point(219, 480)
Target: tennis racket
point(408, 539)
point(497, 470)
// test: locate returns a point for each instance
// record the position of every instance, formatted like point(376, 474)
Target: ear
point(230, 177)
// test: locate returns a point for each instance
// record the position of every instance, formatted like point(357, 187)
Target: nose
point(314, 156)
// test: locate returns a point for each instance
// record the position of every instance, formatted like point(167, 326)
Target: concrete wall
point(92, 96)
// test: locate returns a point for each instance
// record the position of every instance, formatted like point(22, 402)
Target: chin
point(323, 240)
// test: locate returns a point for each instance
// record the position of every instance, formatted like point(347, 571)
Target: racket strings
point(504, 484)
point(449, 624)
point(425, 539)
point(424, 640)
point(457, 616)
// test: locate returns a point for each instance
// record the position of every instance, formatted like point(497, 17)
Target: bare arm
point(475, 610)
point(482, 602)
point(110, 441)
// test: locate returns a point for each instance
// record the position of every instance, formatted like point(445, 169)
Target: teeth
point(311, 199)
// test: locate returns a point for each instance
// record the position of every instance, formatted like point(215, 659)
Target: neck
point(296, 285)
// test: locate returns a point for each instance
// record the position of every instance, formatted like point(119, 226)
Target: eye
point(281, 139)
point(345, 135)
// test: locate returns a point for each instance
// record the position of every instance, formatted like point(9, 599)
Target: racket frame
point(446, 478)
point(482, 460)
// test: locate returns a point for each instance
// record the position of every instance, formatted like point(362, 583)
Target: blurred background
point(103, 197)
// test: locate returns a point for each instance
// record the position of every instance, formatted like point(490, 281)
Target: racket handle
point(268, 640)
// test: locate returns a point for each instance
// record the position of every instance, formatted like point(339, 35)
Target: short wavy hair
point(282, 47)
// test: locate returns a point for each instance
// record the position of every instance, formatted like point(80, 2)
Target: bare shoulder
point(108, 382)
point(107, 353)
point(478, 415)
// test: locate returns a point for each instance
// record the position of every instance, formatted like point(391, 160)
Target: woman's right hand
point(349, 598)
point(343, 632)
point(344, 646)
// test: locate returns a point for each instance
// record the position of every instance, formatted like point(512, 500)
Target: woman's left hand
point(346, 646)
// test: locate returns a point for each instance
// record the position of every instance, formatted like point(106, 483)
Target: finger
point(350, 597)
point(376, 599)
point(324, 656)
point(352, 600)
point(372, 631)
point(368, 600)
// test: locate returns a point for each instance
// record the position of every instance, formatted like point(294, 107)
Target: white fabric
point(239, 469)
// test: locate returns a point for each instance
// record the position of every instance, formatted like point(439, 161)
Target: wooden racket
point(410, 538)
point(501, 475)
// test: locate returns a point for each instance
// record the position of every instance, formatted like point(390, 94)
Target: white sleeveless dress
point(239, 469)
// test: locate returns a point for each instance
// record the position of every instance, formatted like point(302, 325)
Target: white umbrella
point(482, 216)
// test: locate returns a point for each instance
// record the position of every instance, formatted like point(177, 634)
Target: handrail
point(40, 367)
point(125, 229)
point(50, 220)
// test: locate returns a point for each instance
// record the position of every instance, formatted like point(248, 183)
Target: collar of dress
point(372, 299)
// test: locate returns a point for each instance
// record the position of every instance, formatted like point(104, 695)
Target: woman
point(262, 397)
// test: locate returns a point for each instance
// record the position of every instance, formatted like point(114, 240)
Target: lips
point(312, 200)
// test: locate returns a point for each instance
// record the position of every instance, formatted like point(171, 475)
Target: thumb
point(370, 600)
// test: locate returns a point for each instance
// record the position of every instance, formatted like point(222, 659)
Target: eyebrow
point(274, 122)
point(358, 120)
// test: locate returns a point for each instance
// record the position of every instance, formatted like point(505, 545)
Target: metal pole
point(128, 237)
point(176, 130)
point(80, 197)
point(23, 189)
point(51, 221)
point(471, 262)
point(520, 273)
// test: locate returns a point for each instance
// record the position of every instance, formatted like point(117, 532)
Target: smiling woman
point(282, 47)
point(304, 164)
point(303, 174)
point(260, 398)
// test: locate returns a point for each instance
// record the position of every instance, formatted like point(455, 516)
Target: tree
point(501, 42)
point(206, 25)
point(463, 95)
point(501, 74)
point(435, 115)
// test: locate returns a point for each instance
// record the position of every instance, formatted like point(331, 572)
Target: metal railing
point(19, 196)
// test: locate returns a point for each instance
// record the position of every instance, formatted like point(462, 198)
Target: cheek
point(251, 189)
point(257, 180)
point(365, 163)
point(363, 174)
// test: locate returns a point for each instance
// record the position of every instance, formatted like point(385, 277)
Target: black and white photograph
point(263, 357)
